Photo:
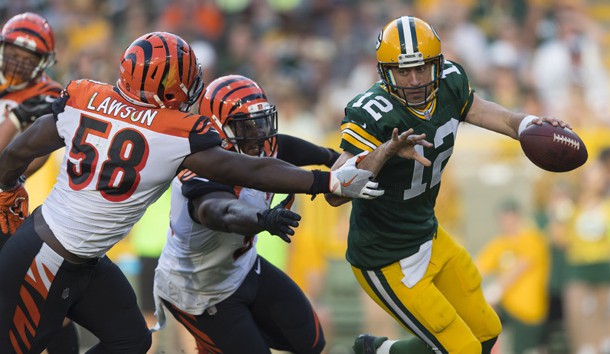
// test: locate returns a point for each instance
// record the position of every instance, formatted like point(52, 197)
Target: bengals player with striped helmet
point(240, 112)
point(124, 145)
point(210, 276)
point(27, 49)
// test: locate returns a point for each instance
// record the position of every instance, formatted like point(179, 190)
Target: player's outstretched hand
point(13, 210)
point(350, 181)
point(279, 220)
point(403, 145)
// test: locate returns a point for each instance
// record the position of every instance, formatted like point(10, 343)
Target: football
point(552, 148)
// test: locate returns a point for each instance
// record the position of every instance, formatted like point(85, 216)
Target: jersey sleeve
point(60, 103)
point(194, 186)
point(73, 89)
point(203, 135)
point(197, 186)
point(455, 77)
point(358, 130)
point(300, 152)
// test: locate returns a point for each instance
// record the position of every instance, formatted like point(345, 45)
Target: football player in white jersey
point(27, 49)
point(123, 146)
point(210, 276)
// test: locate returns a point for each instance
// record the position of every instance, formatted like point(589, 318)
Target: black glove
point(279, 221)
point(332, 157)
point(32, 108)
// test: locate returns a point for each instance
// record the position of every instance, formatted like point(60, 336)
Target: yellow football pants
point(446, 308)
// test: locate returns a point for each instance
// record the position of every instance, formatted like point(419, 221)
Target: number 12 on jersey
point(418, 183)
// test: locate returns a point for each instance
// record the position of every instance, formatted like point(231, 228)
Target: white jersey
point(119, 159)
point(200, 267)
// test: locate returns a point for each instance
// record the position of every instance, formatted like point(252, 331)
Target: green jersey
point(393, 226)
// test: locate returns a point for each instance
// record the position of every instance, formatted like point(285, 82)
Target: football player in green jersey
point(401, 256)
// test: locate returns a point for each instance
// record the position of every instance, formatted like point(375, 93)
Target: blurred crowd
point(545, 57)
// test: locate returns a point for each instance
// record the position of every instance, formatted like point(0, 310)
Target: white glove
point(350, 181)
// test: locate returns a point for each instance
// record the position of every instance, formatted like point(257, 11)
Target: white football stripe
point(406, 31)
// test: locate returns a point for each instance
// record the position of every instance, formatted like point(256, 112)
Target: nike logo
point(346, 184)
point(364, 125)
point(257, 270)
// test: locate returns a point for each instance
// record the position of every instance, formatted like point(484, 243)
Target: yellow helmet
point(408, 42)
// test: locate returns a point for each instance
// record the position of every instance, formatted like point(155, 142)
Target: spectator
point(515, 266)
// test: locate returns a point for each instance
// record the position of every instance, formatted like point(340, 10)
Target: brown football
point(552, 148)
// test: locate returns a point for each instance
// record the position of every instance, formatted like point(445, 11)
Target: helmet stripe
point(407, 35)
point(166, 68)
point(232, 92)
point(401, 36)
point(248, 98)
point(413, 34)
point(219, 87)
point(181, 49)
point(31, 33)
point(147, 52)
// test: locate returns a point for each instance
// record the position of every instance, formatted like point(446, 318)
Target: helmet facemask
point(386, 72)
point(194, 92)
point(254, 133)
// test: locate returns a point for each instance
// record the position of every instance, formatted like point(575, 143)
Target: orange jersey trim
point(105, 100)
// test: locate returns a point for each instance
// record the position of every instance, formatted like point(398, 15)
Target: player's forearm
point(492, 116)
point(230, 216)
point(38, 140)
point(335, 200)
point(261, 173)
point(12, 166)
point(274, 175)
point(375, 160)
point(35, 165)
point(300, 152)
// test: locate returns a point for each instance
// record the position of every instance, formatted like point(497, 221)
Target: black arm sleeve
point(302, 153)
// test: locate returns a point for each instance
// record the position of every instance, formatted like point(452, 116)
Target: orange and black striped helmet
point(161, 69)
point(33, 33)
point(239, 110)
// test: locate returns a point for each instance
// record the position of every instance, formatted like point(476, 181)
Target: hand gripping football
point(552, 148)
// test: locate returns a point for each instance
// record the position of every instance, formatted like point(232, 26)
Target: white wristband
point(525, 122)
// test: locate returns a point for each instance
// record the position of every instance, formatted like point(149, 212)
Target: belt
point(47, 236)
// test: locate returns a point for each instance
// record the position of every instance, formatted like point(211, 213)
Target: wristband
point(321, 182)
point(525, 122)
